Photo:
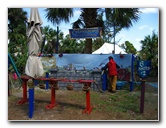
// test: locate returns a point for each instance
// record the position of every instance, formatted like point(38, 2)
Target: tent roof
point(107, 48)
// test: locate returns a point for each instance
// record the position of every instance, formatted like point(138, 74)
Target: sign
point(85, 33)
point(143, 68)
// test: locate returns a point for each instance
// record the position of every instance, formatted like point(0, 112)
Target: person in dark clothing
point(112, 73)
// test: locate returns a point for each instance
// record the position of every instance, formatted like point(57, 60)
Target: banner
point(92, 62)
point(143, 68)
point(85, 33)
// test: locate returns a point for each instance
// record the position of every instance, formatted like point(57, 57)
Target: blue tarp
point(96, 62)
point(91, 61)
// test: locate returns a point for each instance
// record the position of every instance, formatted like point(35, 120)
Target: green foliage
point(116, 19)
point(150, 48)
point(128, 47)
point(51, 38)
point(97, 43)
point(65, 44)
point(68, 45)
point(17, 46)
point(57, 15)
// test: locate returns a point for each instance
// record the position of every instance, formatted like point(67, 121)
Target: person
point(112, 67)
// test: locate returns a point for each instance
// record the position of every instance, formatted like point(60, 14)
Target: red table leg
point(25, 99)
point(88, 108)
point(53, 99)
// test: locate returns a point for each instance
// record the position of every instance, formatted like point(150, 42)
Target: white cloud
point(143, 27)
point(146, 27)
point(149, 10)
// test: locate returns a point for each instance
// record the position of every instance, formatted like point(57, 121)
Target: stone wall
point(77, 75)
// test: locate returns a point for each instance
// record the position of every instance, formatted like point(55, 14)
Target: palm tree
point(89, 18)
point(150, 47)
point(50, 35)
point(56, 16)
point(118, 18)
point(68, 45)
point(121, 18)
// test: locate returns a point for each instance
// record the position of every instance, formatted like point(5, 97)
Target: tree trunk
point(88, 46)
point(89, 16)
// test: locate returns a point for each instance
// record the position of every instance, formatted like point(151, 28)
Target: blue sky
point(148, 22)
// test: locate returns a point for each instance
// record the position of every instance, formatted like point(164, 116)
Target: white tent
point(107, 48)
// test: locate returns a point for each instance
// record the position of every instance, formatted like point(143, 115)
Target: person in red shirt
point(112, 73)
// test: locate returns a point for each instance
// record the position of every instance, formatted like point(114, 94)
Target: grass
point(120, 102)
point(122, 105)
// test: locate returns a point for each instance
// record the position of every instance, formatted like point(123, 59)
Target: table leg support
point(88, 107)
point(31, 102)
point(25, 99)
point(53, 98)
point(47, 82)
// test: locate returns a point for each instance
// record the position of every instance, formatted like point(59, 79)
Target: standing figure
point(112, 73)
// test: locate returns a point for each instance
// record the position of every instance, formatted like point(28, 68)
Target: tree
point(89, 16)
point(68, 45)
point(97, 43)
point(92, 17)
point(150, 48)
point(57, 15)
point(128, 47)
point(119, 18)
point(51, 37)
point(17, 45)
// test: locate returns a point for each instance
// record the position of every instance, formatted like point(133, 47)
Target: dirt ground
point(120, 106)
